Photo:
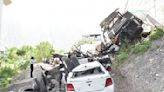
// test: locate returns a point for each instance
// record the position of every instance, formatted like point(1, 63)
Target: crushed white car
point(89, 77)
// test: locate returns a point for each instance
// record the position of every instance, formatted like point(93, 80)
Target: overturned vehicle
point(126, 26)
point(118, 28)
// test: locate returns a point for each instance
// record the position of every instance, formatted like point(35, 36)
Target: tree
point(43, 50)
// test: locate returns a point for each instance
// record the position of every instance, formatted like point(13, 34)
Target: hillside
point(142, 72)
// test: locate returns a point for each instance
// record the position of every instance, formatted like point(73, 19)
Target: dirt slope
point(144, 72)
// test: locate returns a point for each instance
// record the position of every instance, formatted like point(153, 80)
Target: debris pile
point(116, 28)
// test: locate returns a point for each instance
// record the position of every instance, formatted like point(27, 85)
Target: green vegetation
point(127, 49)
point(43, 50)
point(16, 59)
point(123, 52)
point(141, 47)
point(157, 33)
point(121, 57)
point(5, 77)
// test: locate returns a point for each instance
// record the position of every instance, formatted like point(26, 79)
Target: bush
point(126, 49)
point(141, 47)
point(5, 75)
point(43, 50)
point(3, 82)
point(6, 71)
point(12, 53)
point(121, 57)
point(157, 33)
point(15, 59)
point(24, 65)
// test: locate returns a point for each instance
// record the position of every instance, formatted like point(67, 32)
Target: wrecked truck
point(126, 26)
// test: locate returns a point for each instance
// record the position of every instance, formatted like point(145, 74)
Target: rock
point(147, 82)
point(156, 75)
point(137, 76)
point(44, 78)
point(24, 85)
point(38, 73)
point(53, 79)
point(23, 81)
point(151, 59)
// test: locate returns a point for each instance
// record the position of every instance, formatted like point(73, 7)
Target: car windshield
point(93, 71)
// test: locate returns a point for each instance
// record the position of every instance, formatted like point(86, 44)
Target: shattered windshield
point(93, 71)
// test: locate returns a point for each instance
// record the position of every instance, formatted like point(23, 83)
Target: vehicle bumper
point(107, 89)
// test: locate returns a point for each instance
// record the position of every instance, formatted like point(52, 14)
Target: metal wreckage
point(118, 28)
point(115, 28)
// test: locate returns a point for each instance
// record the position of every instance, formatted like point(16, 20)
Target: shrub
point(141, 47)
point(5, 75)
point(16, 59)
point(157, 33)
point(121, 57)
point(24, 65)
point(43, 50)
point(12, 53)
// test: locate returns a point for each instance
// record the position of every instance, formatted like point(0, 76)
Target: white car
point(89, 77)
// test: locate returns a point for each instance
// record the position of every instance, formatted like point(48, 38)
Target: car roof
point(87, 66)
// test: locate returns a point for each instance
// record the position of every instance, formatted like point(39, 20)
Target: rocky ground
point(142, 72)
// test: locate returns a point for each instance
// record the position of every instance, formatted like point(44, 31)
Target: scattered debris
point(48, 76)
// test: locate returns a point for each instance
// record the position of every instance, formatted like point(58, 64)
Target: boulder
point(26, 85)
point(23, 83)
